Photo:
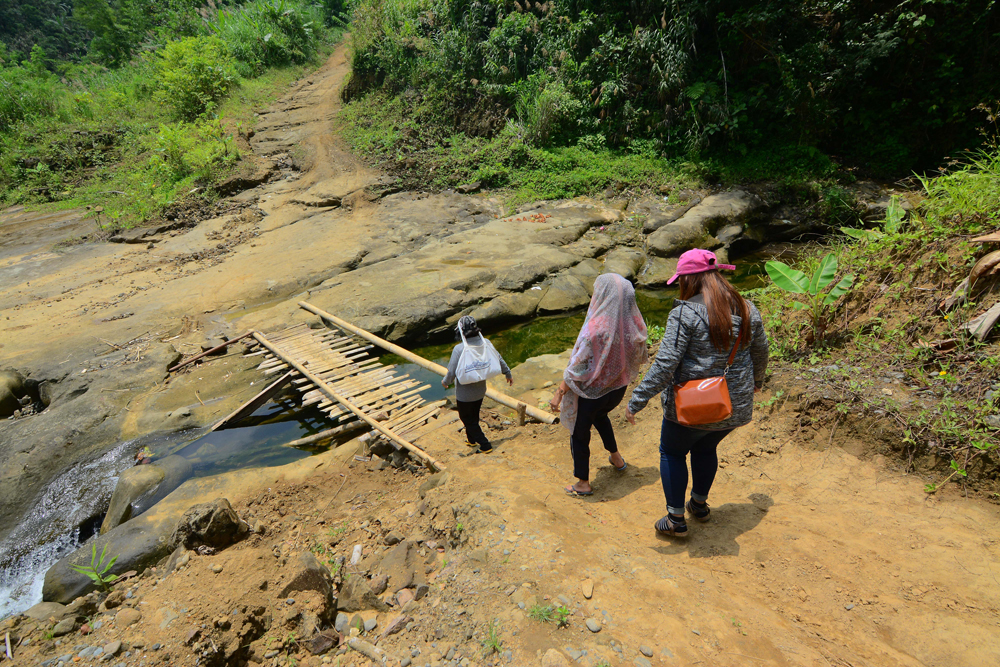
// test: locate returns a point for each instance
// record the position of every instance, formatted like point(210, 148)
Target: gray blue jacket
point(686, 353)
point(474, 391)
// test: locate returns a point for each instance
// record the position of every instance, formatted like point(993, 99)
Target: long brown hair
point(722, 301)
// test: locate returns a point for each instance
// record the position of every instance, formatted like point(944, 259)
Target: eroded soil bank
point(818, 553)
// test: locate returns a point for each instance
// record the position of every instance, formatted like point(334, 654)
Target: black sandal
point(702, 513)
point(671, 526)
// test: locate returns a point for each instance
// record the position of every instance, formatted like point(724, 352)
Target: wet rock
point(357, 595)
point(141, 487)
point(567, 292)
point(626, 262)
point(43, 611)
point(64, 627)
point(593, 625)
point(434, 481)
point(554, 658)
point(213, 524)
point(127, 617)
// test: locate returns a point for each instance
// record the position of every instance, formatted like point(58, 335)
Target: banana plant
point(894, 215)
point(814, 299)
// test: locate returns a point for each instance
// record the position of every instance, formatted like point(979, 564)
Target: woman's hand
point(444, 384)
point(510, 380)
point(630, 416)
point(558, 396)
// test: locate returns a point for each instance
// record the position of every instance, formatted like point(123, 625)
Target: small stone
point(290, 601)
point(270, 654)
point(422, 590)
point(587, 586)
point(370, 624)
point(642, 662)
point(342, 623)
point(404, 596)
point(646, 651)
point(63, 627)
point(112, 648)
point(393, 538)
point(126, 617)
point(405, 662)
point(593, 625)
point(849, 607)
point(696, 632)
point(553, 658)
point(217, 568)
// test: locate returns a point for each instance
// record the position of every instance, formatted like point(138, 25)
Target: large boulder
point(214, 524)
point(11, 391)
point(141, 487)
point(626, 262)
point(657, 272)
point(508, 307)
point(567, 292)
point(587, 271)
point(697, 227)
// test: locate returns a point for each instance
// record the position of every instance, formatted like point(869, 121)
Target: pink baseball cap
point(697, 261)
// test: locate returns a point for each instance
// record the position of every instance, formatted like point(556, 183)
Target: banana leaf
point(787, 278)
point(824, 275)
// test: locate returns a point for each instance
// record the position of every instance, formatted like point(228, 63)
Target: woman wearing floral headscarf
point(608, 354)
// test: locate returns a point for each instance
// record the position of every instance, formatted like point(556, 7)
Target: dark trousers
point(593, 412)
point(676, 441)
point(468, 412)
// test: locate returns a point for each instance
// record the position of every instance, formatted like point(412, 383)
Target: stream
point(70, 510)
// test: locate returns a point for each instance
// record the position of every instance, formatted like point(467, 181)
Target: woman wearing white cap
point(712, 333)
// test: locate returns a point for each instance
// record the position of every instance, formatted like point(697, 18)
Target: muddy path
point(817, 555)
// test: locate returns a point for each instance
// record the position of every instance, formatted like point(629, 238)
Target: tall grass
point(970, 192)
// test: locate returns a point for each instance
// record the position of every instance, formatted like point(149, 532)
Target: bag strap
point(736, 344)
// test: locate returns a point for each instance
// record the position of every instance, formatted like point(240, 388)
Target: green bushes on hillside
point(144, 132)
point(888, 86)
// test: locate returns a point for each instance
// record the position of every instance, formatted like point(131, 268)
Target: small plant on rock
point(98, 570)
point(814, 300)
point(562, 615)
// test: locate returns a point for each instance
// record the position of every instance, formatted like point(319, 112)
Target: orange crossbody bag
point(705, 401)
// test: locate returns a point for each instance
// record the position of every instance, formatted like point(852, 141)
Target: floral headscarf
point(611, 347)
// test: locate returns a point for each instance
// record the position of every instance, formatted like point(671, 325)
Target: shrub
point(195, 73)
point(268, 33)
point(196, 150)
point(27, 91)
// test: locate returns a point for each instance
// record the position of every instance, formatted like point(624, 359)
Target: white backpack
point(477, 362)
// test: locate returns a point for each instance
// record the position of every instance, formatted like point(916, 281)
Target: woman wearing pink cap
point(712, 332)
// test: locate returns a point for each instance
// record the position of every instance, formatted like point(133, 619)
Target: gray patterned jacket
point(686, 353)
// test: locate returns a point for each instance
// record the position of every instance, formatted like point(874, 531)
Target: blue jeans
point(676, 441)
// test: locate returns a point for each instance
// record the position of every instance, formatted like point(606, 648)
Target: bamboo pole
point(328, 434)
point(208, 352)
point(431, 462)
point(510, 402)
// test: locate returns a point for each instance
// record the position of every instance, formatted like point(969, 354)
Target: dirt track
point(813, 557)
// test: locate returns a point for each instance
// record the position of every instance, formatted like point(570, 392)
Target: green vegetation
point(655, 332)
point(897, 351)
point(98, 569)
point(147, 112)
point(814, 300)
point(568, 97)
point(492, 643)
point(549, 613)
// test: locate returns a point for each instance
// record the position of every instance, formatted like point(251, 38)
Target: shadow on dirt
point(718, 537)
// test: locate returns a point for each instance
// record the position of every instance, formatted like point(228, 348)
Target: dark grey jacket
point(468, 393)
point(686, 353)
